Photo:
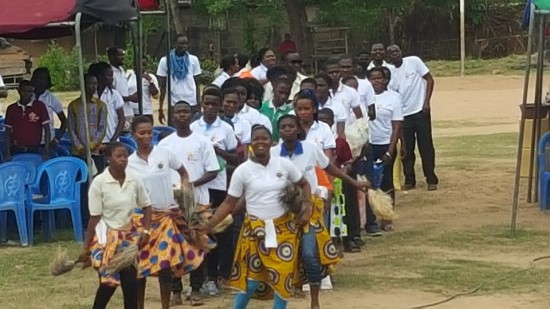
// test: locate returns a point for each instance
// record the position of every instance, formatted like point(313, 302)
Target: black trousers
point(219, 261)
point(129, 284)
point(196, 278)
point(418, 127)
point(352, 219)
point(377, 152)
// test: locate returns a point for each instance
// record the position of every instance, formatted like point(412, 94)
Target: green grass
point(511, 65)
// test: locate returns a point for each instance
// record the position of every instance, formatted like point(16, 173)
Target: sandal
point(195, 300)
point(387, 226)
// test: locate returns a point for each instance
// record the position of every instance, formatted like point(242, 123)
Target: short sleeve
point(155, 80)
point(43, 112)
point(328, 138)
point(210, 160)
point(370, 94)
point(355, 99)
point(236, 185)
point(322, 160)
point(119, 101)
point(420, 67)
point(196, 66)
point(9, 121)
point(143, 199)
point(57, 106)
point(247, 132)
point(173, 160)
point(294, 173)
point(95, 197)
point(397, 113)
point(162, 70)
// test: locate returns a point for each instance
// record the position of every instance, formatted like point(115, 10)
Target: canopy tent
point(39, 19)
point(536, 12)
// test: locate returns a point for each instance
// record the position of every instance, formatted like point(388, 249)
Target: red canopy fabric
point(20, 16)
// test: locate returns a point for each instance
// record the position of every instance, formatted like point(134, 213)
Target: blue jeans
point(310, 254)
point(242, 299)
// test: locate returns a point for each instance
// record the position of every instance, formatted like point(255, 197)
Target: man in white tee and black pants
point(415, 84)
point(185, 71)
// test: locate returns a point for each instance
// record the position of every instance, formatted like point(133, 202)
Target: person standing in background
point(185, 71)
point(364, 87)
point(42, 82)
point(120, 83)
point(150, 89)
point(415, 84)
point(267, 60)
point(230, 66)
point(287, 46)
point(378, 54)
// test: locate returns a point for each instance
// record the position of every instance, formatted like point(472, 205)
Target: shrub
point(63, 67)
point(208, 68)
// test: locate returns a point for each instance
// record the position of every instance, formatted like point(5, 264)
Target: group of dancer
point(238, 154)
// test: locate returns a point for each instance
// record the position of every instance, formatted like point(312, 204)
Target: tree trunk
point(176, 17)
point(391, 25)
point(299, 30)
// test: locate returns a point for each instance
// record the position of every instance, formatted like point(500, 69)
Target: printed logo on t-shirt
point(160, 165)
point(33, 117)
point(192, 157)
point(308, 168)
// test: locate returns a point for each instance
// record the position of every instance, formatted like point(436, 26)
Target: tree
point(298, 22)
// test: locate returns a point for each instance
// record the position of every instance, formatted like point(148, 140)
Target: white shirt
point(253, 116)
point(221, 135)
point(338, 110)
point(198, 157)
point(366, 93)
point(306, 156)
point(146, 94)
point(410, 84)
point(221, 79)
point(349, 99)
point(321, 135)
point(115, 203)
point(393, 83)
point(120, 83)
point(259, 72)
point(388, 109)
point(54, 106)
point(384, 64)
point(242, 128)
point(262, 186)
point(114, 102)
point(156, 175)
point(182, 90)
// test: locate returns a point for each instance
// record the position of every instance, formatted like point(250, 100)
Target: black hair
point(99, 69)
point(332, 61)
point(162, 135)
point(242, 59)
point(326, 111)
point(309, 80)
point(181, 35)
point(301, 132)
point(363, 52)
point(227, 62)
point(255, 60)
point(228, 91)
point(308, 94)
point(281, 80)
point(213, 91)
point(258, 127)
point(88, 75)
point(376, 69)
point(25, 83)
point(262, 52)
point(347, 78)
point(233, 82)
point(111, 147)
point(387, 71)
point(113, 50)
point(139, 120)
point(275, 72)
point(325, 77)
point(43, 70)
point(348, 57)
point(182, 102)
point(254, 87)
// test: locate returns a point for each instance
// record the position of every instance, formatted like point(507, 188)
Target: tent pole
point(168, 64)
point(139, 66)
point(538, 102)
point(462, 39)
point(78, 45)
point(536, 120)
point(515, 200)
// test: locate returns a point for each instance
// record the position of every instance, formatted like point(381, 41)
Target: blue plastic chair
point(131, 149)
point(544, 173)
point(14, 179)
point(128, 140)
point(33, 159)
point(164, 129)
point(62, 151)
point(65, 176)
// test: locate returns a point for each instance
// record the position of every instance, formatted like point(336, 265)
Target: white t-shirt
point(120, 83)
point(54, 106)
point(410, 84)
point(253, 116)
point(306, 156)
point(349, 99)
point(156, 174)
point(321, 135)
point(146, 96)
point(221, 79)
point(388, 109)
point(366, 94)
point(198, 157)
point(262, 186)
point(242, 128)
point(259, 72)
point(393, 83)
point(338, 110)
point(114, 102)
point(115, 203)
point(182, 90)
point(384, 64)
point(221, 135)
